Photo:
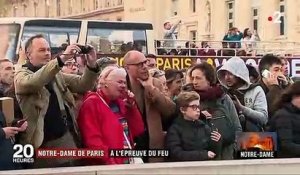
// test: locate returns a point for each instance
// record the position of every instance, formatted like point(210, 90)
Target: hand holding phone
point(282, 80)
point(22, 125)
point(271, 79)
point(266, 73)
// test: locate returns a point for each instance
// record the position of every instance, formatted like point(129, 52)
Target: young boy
point(190, 138)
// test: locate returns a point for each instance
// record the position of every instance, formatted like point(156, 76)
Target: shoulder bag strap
point(60, 100)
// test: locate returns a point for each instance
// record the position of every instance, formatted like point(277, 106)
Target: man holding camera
point(45, 97)
point(169, 34)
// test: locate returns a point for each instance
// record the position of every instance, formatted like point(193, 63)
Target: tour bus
point(106, 36)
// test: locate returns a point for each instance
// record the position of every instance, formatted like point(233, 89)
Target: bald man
point(152, 103)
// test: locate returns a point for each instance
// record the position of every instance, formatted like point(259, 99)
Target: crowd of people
point(235, 43)
point(78, 101)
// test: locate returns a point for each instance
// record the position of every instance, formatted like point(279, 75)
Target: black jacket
point(286, 122)
point(271, 92)
point(6, 148)
point(190, 140)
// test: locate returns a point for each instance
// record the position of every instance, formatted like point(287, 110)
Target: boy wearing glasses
point(190, 138)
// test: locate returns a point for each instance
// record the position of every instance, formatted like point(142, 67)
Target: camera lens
point(85, 49)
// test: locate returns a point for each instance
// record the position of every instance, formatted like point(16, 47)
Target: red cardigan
point(100, 127)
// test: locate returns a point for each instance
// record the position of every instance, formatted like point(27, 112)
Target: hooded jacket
point(255, 101)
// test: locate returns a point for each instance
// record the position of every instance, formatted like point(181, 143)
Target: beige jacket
point(33, 97)
point(157, 106)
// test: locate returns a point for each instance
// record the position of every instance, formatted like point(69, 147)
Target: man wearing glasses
point(152, 103)
point(70, 67)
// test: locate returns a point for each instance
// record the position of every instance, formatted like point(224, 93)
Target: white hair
point(109, 72)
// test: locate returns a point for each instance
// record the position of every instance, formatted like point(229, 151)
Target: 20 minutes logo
point(23, 154)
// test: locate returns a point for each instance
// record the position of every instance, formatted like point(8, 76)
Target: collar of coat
point(181, 120)
point(31, 67)
point(292, 108)
point(105, 97)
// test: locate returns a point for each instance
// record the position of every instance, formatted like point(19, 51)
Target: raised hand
point(69, 53)
point(91, 57)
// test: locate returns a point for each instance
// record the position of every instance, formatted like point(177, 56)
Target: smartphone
point(20, 123)
point(266, 73)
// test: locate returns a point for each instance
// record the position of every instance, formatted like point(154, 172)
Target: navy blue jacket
point(6, 148)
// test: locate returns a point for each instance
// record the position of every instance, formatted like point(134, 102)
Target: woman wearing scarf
point(216, 107)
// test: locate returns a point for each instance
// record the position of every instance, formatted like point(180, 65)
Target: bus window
point(9, 34)
point(57, 39)
point(116, 41)
point(56, 36)
point(73, 37)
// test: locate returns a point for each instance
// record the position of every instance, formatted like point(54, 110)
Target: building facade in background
point(201, 19)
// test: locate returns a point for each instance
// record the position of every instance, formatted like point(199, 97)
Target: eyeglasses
point(70, 64)
point(194, 107)
point(139, 65)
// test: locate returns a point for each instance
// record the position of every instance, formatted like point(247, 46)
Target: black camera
point(85, 49)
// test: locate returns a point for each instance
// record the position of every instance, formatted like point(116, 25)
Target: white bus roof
point(23, 19)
